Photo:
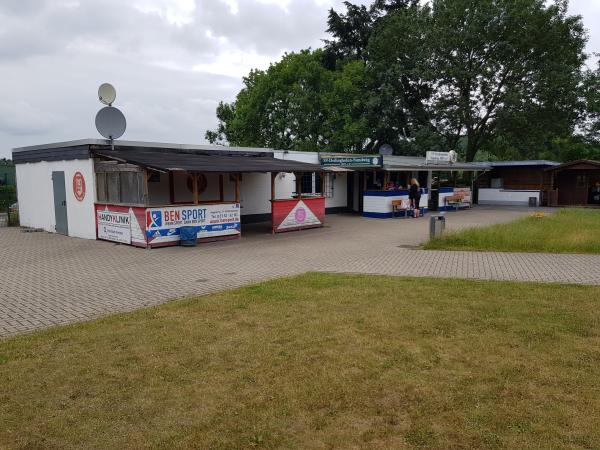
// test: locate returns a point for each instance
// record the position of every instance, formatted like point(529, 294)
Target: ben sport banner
point(163, 224)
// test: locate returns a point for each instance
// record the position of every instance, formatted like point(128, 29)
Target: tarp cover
point(170, 160)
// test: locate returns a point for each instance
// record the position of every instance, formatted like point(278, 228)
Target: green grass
point(566, 231)
point(317, 361)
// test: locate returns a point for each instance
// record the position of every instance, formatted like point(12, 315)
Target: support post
point(323, 175)
point(273, 176)
point(237, 188)
point(171, 188)
point(221, 195)
point(299, 184)
point(146, 196)
point(195, 188)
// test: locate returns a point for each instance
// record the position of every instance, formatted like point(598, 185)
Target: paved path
point(48, 279)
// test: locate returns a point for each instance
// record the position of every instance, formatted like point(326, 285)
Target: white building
point(90, 190)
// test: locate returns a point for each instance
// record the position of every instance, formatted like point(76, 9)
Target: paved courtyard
point(48, 279)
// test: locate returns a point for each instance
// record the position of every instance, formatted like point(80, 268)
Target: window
point(306, 183)
point(310, 184)
point(581, 182)
point(329, 181)
point(101, 183)
point(120, 187)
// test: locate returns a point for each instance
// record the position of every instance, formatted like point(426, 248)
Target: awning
point(171, 160)
point(474, 167)
point(337, 169)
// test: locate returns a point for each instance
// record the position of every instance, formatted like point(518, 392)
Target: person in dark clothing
point(414, 194)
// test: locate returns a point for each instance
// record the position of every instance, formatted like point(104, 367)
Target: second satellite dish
point(110, 122)
point(386, 150)
point(107, 93)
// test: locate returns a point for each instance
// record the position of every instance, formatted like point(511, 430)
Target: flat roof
point(169, 160)
point(143, 144)
point(534, 162)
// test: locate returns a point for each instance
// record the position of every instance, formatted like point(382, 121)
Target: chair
point(400, 205)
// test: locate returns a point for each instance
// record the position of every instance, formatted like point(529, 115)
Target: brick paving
point(47, 279)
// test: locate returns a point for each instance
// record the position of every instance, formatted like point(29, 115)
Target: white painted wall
point(158, 191)
point(383, 204)
point(507, 197)
point(36, 196)
point(340, 191)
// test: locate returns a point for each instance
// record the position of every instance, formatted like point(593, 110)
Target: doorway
point(60, 203)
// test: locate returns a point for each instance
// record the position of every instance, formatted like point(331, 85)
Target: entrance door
point(60, 203)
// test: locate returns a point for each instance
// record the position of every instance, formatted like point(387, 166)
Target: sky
point(171, 61)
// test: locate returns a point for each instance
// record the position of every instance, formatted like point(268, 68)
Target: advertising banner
point(162, 224)
point(118, 223)
point(114, 226)
point(288, 215)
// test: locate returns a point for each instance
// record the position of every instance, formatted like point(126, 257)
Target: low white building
point(90, 189)
point(63, 188)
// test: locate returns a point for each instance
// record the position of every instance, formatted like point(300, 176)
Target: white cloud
point(171, 61)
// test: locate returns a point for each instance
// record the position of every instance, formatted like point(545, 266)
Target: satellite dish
point(453, 156)
point(386, 150)
point(107, 93)
point(110, 122)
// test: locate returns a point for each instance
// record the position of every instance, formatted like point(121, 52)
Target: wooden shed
point(575, 183)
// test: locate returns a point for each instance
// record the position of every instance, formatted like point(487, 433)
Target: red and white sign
point(79, 186)
point(111, 224)
point(288, 215)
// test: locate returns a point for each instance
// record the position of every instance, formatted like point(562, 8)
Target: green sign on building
point(352, 161)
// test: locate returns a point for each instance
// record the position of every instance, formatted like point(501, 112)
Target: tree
point(351, 31)
point(298, 104)
point(473, 70)
point(591, 89)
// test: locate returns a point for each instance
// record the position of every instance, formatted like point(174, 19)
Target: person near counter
point(414, 195)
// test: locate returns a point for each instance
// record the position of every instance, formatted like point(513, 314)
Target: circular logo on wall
point(79, 186)
point(300, 215)
point(202, 183)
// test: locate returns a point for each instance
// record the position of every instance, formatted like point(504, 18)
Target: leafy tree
point(498, 78)
point(351, 31)
point(591, 89)
point(298, 104)
point(479, 69)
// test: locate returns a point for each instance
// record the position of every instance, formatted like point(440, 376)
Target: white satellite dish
point(386, 150)
point(110, 122)
point(107, 93)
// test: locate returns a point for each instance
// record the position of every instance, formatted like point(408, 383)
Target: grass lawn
point(566, 231)
point(318, 361)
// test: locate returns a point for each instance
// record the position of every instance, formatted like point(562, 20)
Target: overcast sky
point(171, 61)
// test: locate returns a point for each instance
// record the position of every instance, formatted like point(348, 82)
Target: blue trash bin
point(187, 236)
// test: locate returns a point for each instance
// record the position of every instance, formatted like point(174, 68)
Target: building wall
point(517, 178)
point(488, 196)
point(158, 191)
point(36, 196)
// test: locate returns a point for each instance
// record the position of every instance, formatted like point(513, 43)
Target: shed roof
point(194, 161)
point(535, 162)
point(580, 164)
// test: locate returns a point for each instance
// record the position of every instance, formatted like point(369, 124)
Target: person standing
point(414, 194)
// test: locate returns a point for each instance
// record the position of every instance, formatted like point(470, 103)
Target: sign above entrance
point(352, 161)
point(440, 157)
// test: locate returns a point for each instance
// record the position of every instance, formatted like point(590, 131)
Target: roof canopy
point(581, 164)
point(173, 160)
